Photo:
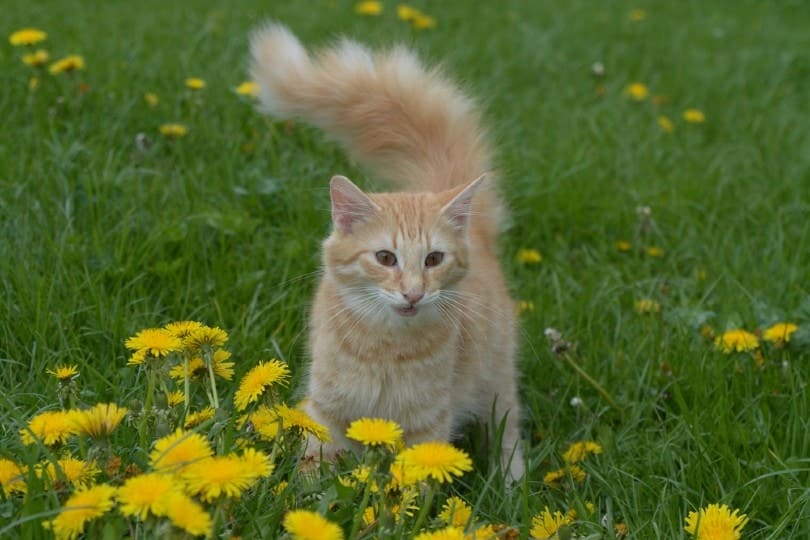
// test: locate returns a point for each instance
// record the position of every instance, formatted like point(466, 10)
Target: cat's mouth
point(409, 311)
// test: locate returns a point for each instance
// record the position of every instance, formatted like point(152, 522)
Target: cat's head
point(395, 256)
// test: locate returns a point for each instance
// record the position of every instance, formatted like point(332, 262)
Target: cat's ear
point(458, 210)
point(350, 206)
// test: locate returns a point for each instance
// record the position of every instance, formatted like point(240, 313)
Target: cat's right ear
point(350, 206)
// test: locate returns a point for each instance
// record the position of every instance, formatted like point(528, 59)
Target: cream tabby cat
point(412, 320)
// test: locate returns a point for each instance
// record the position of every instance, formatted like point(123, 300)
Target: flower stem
point(358, 516)
point(210, 362)
point(596, 386)
point(147, 407)
point(423, 512)
point(186, 388)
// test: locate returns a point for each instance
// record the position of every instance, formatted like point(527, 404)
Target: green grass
point(99, 239)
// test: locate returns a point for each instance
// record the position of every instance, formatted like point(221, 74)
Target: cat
point(412, 320)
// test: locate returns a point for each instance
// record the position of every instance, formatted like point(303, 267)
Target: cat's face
point(397, 256)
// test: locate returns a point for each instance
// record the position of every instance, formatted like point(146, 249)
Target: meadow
point(656, 161)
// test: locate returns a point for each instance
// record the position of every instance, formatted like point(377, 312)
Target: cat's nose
point(413, 296)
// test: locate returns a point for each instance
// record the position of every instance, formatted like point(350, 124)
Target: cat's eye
point(434, 258)
point(386, 258)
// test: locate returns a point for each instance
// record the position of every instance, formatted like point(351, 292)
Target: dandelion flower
point(637, 15)
point(296, 418)
point(147, 493)
point(182, 329)
point(175, 398)
point(694, 116)
point(406, 12)
point(456, 512)
point(448, 533)
point(553, 478)
point(50, 427)
point(308, 525)
point(157, 342)
point(780, 333)
point(525, 306)
point(173, 131)
point(188, 515)
point(623, 245)
point(195, 83)
point(197, 369)
point(545, 525)
point(528, 256)
point(74, 471)
point(665, 124)
point(637, 91)
point(205, 337)
point(621, 530)
point(368, 8)
point(736, 340)
point(12, 477)
point(151, 99)
point(64, 373)
point(196, 418)
point(375, 432)
point(715, 522)
point(655, 251)
point(646, 306)
point(218, 476)
point(36, 59)
point(259, 379)
point(68, 64)
point(423, 22)
point(248, 88)
point(99, 421)
point(264, 421)
point(27, 36)
point(437, 460)
point(178, 450)
point(84, 505)
point(580, 450)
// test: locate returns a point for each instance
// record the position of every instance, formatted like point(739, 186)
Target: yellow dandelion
point(27, 36)
point(456, 512)
point(545, 525)
point(147, 493)
point(489, 532)
point(157, 342)
point(421, 21)
point(50, 427)
point(707, 331)
point(259, 379)
point(694, 116)
point(263, 421)
point(528, 256)
point(368, 8)
point(137, 358)
point(196, 418)
point(553, 478)
point(655, 251)
point(525, 306)
point(580, 450)
point(173, 399)
point(637, 15)
point(186, 514)
point(637, 91)
point(180, 449)
point(100, 420)
point(438, 460)
point(308, 525)
point(220, 364)
point(173, 131)
point(665, 124)
point(737, 340)
point(298, 419)
point(205, 337)
point(715, 522)
point(151, 99)
point(406, 12)
point(196, 369)
point(621, 530)
point(12, 477)
point(69, 469)
point(84, 505)
point(623, 245)
point(182, 329)
point(779, 333)
point(195, 83)
point(448, 533)
point(68, 64)
point(646, 306)
point(36, 59)
point(33, 84)
point(248, 88)
point(218, 476)
point(375, 432)
point(64, 373)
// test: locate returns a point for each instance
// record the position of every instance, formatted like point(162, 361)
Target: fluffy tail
point(407, 124)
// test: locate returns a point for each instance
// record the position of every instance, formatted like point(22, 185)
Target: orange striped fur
point(430, 346)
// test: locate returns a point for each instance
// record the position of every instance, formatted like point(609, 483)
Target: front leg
point(337, 432)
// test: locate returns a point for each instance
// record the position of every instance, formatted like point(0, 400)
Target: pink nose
point(413, 296)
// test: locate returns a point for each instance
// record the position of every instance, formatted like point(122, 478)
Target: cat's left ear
point(458, 210)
